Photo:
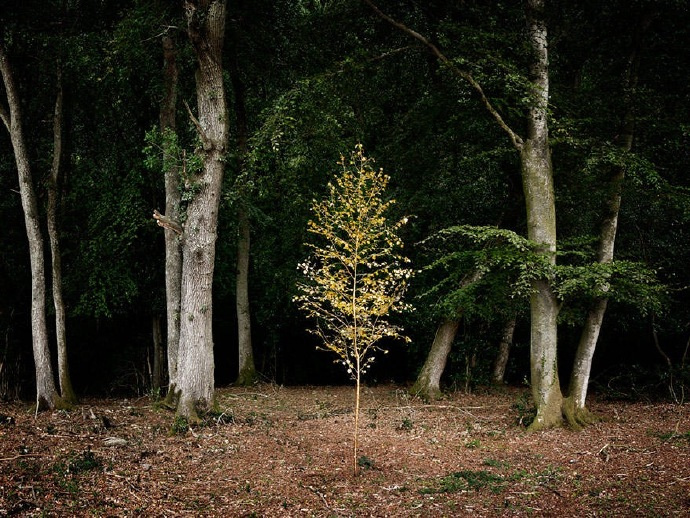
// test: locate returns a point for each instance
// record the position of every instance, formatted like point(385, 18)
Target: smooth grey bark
point(537, 181)
point(582, 366)
point(66, 390)
point(428, 384)
point(173, 249)
point(500, 363)
point(206, 29)
point(246, 367)
point(46, 393)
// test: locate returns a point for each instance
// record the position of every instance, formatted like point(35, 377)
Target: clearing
point(287, 451)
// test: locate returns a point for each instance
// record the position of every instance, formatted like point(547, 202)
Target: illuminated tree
point(355, 275)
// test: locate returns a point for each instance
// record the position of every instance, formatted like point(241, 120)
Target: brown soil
point(279, 451)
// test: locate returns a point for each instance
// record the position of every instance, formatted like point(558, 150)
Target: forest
point(344, 258)
point(538, 152)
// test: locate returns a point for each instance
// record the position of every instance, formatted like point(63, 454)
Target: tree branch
point(166, 222)
point(5, 116)
point(205, 141)
point(466, 76)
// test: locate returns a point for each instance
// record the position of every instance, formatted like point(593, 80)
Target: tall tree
point(575, 408)
point(11, 115)
point(537, 178)
point(428, 383)
point(173, 255)
point(54, 182)
point(246, 368)
point(206, 29)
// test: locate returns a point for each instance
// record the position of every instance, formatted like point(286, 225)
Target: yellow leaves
point(355, 276)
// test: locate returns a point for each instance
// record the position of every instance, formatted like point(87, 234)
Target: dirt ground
point(278, 451)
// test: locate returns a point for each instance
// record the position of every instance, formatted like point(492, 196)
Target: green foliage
point(164, 152)
point(480, 269)
point(356, 275)
point(467, 480)
point(365, 462)
point(78, 463)
point(526, 411)
point(180, 426)
point(475, 270)
point(627, 282)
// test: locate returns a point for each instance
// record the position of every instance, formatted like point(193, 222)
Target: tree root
point(578, 418)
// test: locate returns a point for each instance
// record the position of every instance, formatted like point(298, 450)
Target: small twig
point(604, 452)
point(22, 455)
point(316, 491)
point(551, 489)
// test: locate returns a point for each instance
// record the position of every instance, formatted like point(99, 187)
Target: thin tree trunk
point(499, 370)
point(356, 431)
point(537, 179)
point(46, 394)
point(206, 28)
point(66, 390)
point(157, 370)
point(173, 250)
point(575, 404)
point(428, 384)
point(246, 367)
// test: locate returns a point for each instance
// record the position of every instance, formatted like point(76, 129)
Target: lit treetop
point(356, 274)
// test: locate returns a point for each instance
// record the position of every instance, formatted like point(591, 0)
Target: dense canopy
point(444, 96)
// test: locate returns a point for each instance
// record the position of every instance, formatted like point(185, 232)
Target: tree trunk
point(499, 369)
point(66, 390)
point(246, 370)
point(173, 250)
point(46, 394)
point(537, 180)
point(575, 405)
point(157, 370)
point(428, 384)
point(206, 28)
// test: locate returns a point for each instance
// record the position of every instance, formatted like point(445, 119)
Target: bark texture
point(499, 368)
point(206, 29)
point(173, 249)
point(66, 391)
point(247, 369)
point(537, 180)
point(428, 383)
point(46, 393)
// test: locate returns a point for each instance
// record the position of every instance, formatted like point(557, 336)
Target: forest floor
point(287, 451)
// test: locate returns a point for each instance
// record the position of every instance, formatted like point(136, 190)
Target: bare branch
point(205, 141)
point(463, 74)
point(4, 71)
point(5, 116)
point(166, 222)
